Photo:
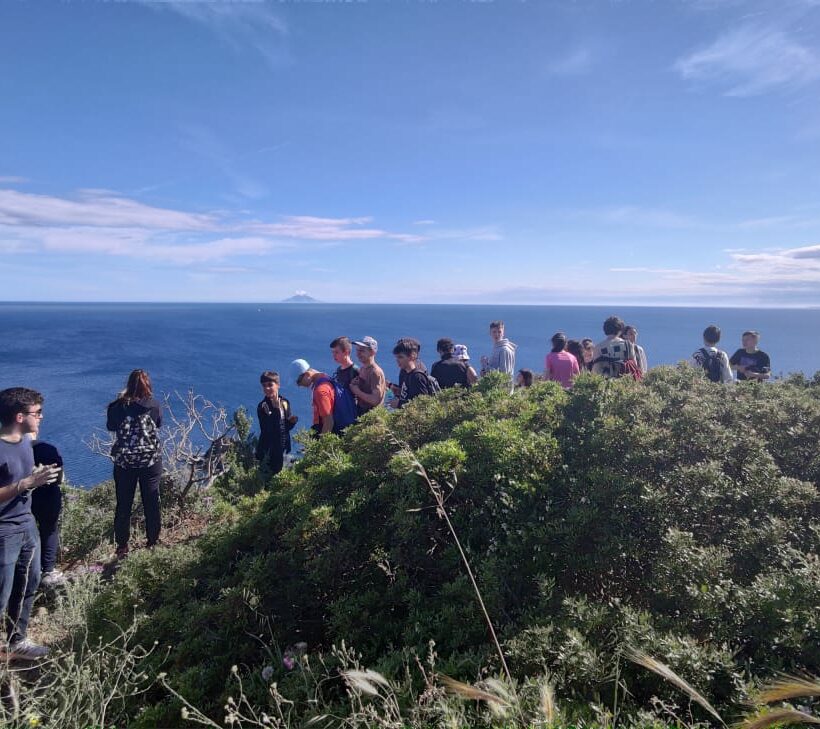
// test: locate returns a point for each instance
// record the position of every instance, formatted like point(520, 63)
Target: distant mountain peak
point(300, 297)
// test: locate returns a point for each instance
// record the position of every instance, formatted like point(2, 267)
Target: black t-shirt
point(119, 410)
point(450, 372)
point(344, 376)
point(758, 361)
point(412, 384)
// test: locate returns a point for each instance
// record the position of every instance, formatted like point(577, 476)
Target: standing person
point(576, 350)
point(588, 347)
point(631, 335)
point(136, 417)
point(347, 371)
point(614, 356)
point(710, 359)
point(413, 381)
point(276, 420)
point(749, 362)
point(323, 395)
point(525, 378)
point(561, 366)
point(46, 505)
point(460, 353)
point(502, 358)
point(20, 411)
point(370, 386)
point(449, 371)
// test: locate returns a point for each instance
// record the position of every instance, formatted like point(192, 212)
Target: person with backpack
point(333, 405)
point(135, 418)
point(450, 371)
point(615, 356)
point(346, 372)
point(413, 381)
point(631, 335)
point(275, 423)
point(20, 411)
point(713, 361)
point(750, 362)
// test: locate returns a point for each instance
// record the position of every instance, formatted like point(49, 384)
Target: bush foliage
point(674, 516)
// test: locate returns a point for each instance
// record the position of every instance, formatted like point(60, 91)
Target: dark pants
point(125, 480)
point(19, 579)
point(46, 505)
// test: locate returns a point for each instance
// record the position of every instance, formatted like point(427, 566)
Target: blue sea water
point(79, 355)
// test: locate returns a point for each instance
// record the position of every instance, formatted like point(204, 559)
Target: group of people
point(31, 470)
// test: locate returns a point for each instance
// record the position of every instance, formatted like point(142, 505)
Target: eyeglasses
point(36, 413)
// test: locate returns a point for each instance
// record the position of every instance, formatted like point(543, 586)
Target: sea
point(79, 355)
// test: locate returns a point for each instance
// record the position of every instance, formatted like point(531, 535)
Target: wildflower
point(289, 661)
point(267, 673)
point(33, 720)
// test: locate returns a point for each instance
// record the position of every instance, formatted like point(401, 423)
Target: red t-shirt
point(324, 397)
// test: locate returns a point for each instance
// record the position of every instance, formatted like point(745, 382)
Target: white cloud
point(308, 227)
point(12, 180)
point(752, 60)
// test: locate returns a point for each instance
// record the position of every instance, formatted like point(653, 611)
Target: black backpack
point(712, 365)
point(136, 444)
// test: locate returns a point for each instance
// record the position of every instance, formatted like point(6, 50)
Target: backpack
point(136, 444)
point(712, 365)
point(344, 404)
point(432, 384)
point(623, 367)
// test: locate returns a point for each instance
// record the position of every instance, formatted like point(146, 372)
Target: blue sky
point(512, 152)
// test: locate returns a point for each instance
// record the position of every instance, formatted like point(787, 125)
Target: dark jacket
point(119, 410)
point(273, 442)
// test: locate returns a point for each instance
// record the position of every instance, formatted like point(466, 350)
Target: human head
point(524, 378)
point(366, 349)
point(613, 326)
point(711, 335)
point(406, 352)
point(460, 352)
point(21, 409)
point(138, 386)
point(445, 347)
point(630, 333)
point(559, 342)
point(341, 348)
point(575, 349)
point(750, 339)
point(497, 330)
point(270, 383)
point(588, 347)
point(300, 372)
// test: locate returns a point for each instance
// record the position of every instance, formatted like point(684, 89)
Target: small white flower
point(267, 673)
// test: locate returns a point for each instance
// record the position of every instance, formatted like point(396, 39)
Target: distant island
point(300, 298)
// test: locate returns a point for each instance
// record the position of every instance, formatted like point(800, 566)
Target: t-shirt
point(612, 350)
point(450, 372)
point(698, 360)
point(371, 382)
point(562, 367)
point(412, 384)
point(324, 398)
point(757, 361)
point(345, 375)
point(16, 462)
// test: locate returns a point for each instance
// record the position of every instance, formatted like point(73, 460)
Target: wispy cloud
point(752, 60)
point(578, 61)
point(308, 227)
point(12, 180)
point(244, 25)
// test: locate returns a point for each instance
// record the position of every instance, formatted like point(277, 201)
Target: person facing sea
point(713, 361)
point(612, 352)
point(749, 362)
point(135, 418)
point(631, 335)
point(276, 420)
point(560, 365)
point(450, 371)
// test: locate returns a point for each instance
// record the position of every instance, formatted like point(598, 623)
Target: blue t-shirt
point(16, 462)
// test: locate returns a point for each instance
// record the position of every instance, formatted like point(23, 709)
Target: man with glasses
point(21, 410)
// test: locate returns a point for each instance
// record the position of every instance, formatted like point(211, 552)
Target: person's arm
point(156, 414)
point(734, 363)
point(725, 369)
point(472, 375)
point(327, 424)
point(323, 398)
point(41, 477)
point(290, 418)
point(642, 363)
point(764, 367)
point(506, 362)
point(113, 416)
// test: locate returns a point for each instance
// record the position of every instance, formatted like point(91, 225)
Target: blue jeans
point(19, 579)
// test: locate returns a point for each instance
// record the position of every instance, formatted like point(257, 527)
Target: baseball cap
point(460, 352)
point(297, 368)
point(368, 342)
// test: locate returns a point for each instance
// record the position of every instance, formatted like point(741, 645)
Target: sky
point(551, 151)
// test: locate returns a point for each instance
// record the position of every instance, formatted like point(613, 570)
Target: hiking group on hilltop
point(31, 470)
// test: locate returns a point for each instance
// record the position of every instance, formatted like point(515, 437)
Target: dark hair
point(269, 376)
point(711, 334)
point(497, 324)
point(586, 343)
point(559, 342)
point(407, 345)
point(575, 349)
point(445, 345)
point(613, 325)
point(15, 400)
point(138, 387)
point(629, 328)
point(751, 333)
point(343, 342)
point(527, 377)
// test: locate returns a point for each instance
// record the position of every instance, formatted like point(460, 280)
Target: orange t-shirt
point(324, 397)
